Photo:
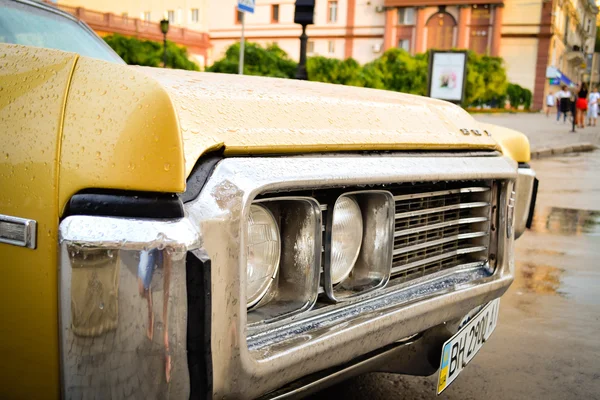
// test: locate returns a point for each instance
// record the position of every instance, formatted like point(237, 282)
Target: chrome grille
point(440, 229)
point(438, 226)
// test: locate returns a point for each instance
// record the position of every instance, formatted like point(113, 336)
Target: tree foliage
point(148, 53)
point(486, 79)
point(269, 61)
point(396, 69)
point(518, 96)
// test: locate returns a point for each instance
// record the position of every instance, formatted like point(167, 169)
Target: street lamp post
point(303, 15)
point(301, 73)
point(164, 28)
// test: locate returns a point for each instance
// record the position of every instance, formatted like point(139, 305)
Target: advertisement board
point(447, 75)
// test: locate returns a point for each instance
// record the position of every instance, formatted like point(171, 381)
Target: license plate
point(459, 350)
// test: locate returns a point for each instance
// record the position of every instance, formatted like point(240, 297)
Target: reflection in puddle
point(567, 221)
point(541, 279)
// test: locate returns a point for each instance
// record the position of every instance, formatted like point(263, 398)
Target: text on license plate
point(460, 349)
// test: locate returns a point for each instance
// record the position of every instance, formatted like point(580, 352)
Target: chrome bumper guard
point(113, 351)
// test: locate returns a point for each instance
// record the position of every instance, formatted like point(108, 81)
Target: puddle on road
point(540, 279)
point(566, 221)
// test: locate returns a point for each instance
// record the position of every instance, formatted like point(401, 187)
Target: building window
point(238, 16)
point(404, 44)
point(589, 26)
point(310, 47)
point(195, 17)
point(125, 16)
point(406, 16)
point(171, 16)
point(275, 13)
point(332, 11)
point(146, 16)
point(331, 47)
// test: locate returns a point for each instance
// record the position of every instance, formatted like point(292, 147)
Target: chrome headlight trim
point(378, 221)
point(298, 284)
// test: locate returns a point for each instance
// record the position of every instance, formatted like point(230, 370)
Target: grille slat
point(441, 209)
point(440, 225)
point(476, 189)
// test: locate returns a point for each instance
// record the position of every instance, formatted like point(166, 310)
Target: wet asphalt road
point(547, 343)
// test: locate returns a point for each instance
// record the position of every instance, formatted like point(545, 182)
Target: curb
point(572, 148)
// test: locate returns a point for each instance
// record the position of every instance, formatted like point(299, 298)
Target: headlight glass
point(346, 237)
point(263, 252)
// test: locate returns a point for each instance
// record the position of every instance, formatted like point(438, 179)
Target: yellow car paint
point(512, 143)
point(33, 86)
point(120, 132)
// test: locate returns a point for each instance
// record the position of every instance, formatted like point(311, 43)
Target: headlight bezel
point(295, 289)
point(373, 265)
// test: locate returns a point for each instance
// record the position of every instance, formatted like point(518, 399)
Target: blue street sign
point(246, 6)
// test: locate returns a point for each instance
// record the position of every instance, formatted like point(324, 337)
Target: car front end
point(243, 237)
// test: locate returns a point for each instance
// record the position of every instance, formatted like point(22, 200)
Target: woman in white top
point(593, 99)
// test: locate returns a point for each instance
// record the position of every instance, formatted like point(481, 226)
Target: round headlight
point(346, 238)
point(263, 252)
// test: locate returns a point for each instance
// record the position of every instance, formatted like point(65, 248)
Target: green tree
point(515, 95)
point(148, 53)
point(397, 70)
point(332, 70)
point(258, 60)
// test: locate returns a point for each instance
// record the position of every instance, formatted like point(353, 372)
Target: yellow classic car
point(174, 234)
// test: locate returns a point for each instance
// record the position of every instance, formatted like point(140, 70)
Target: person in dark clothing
point(564, 103)
point(581, 105)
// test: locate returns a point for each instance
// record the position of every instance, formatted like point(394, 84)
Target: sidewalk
point(545, 135)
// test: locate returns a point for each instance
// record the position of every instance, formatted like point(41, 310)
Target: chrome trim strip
point(439, 257)
point(440, 209)
point(524, 191)
point(441, 193)
point(18, 231)
point(424, 245)
point(395, 295)
point(461, 221)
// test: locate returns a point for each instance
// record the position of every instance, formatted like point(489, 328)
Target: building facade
point(571, 42)
point(140, 18)
point(520, 31)
point(544, 43)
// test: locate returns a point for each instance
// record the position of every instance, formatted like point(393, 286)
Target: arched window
point(440, 31)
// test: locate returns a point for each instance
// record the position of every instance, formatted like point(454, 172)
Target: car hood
point(252, 115)
point(139, 128)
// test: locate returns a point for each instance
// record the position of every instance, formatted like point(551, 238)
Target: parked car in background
point(176, 234)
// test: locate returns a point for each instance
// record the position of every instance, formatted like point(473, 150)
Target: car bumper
point(212, 351)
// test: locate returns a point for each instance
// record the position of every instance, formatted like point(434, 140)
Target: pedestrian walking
point(594, 97)
point(564, 103)
point(550, 103)
point(581, 105)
